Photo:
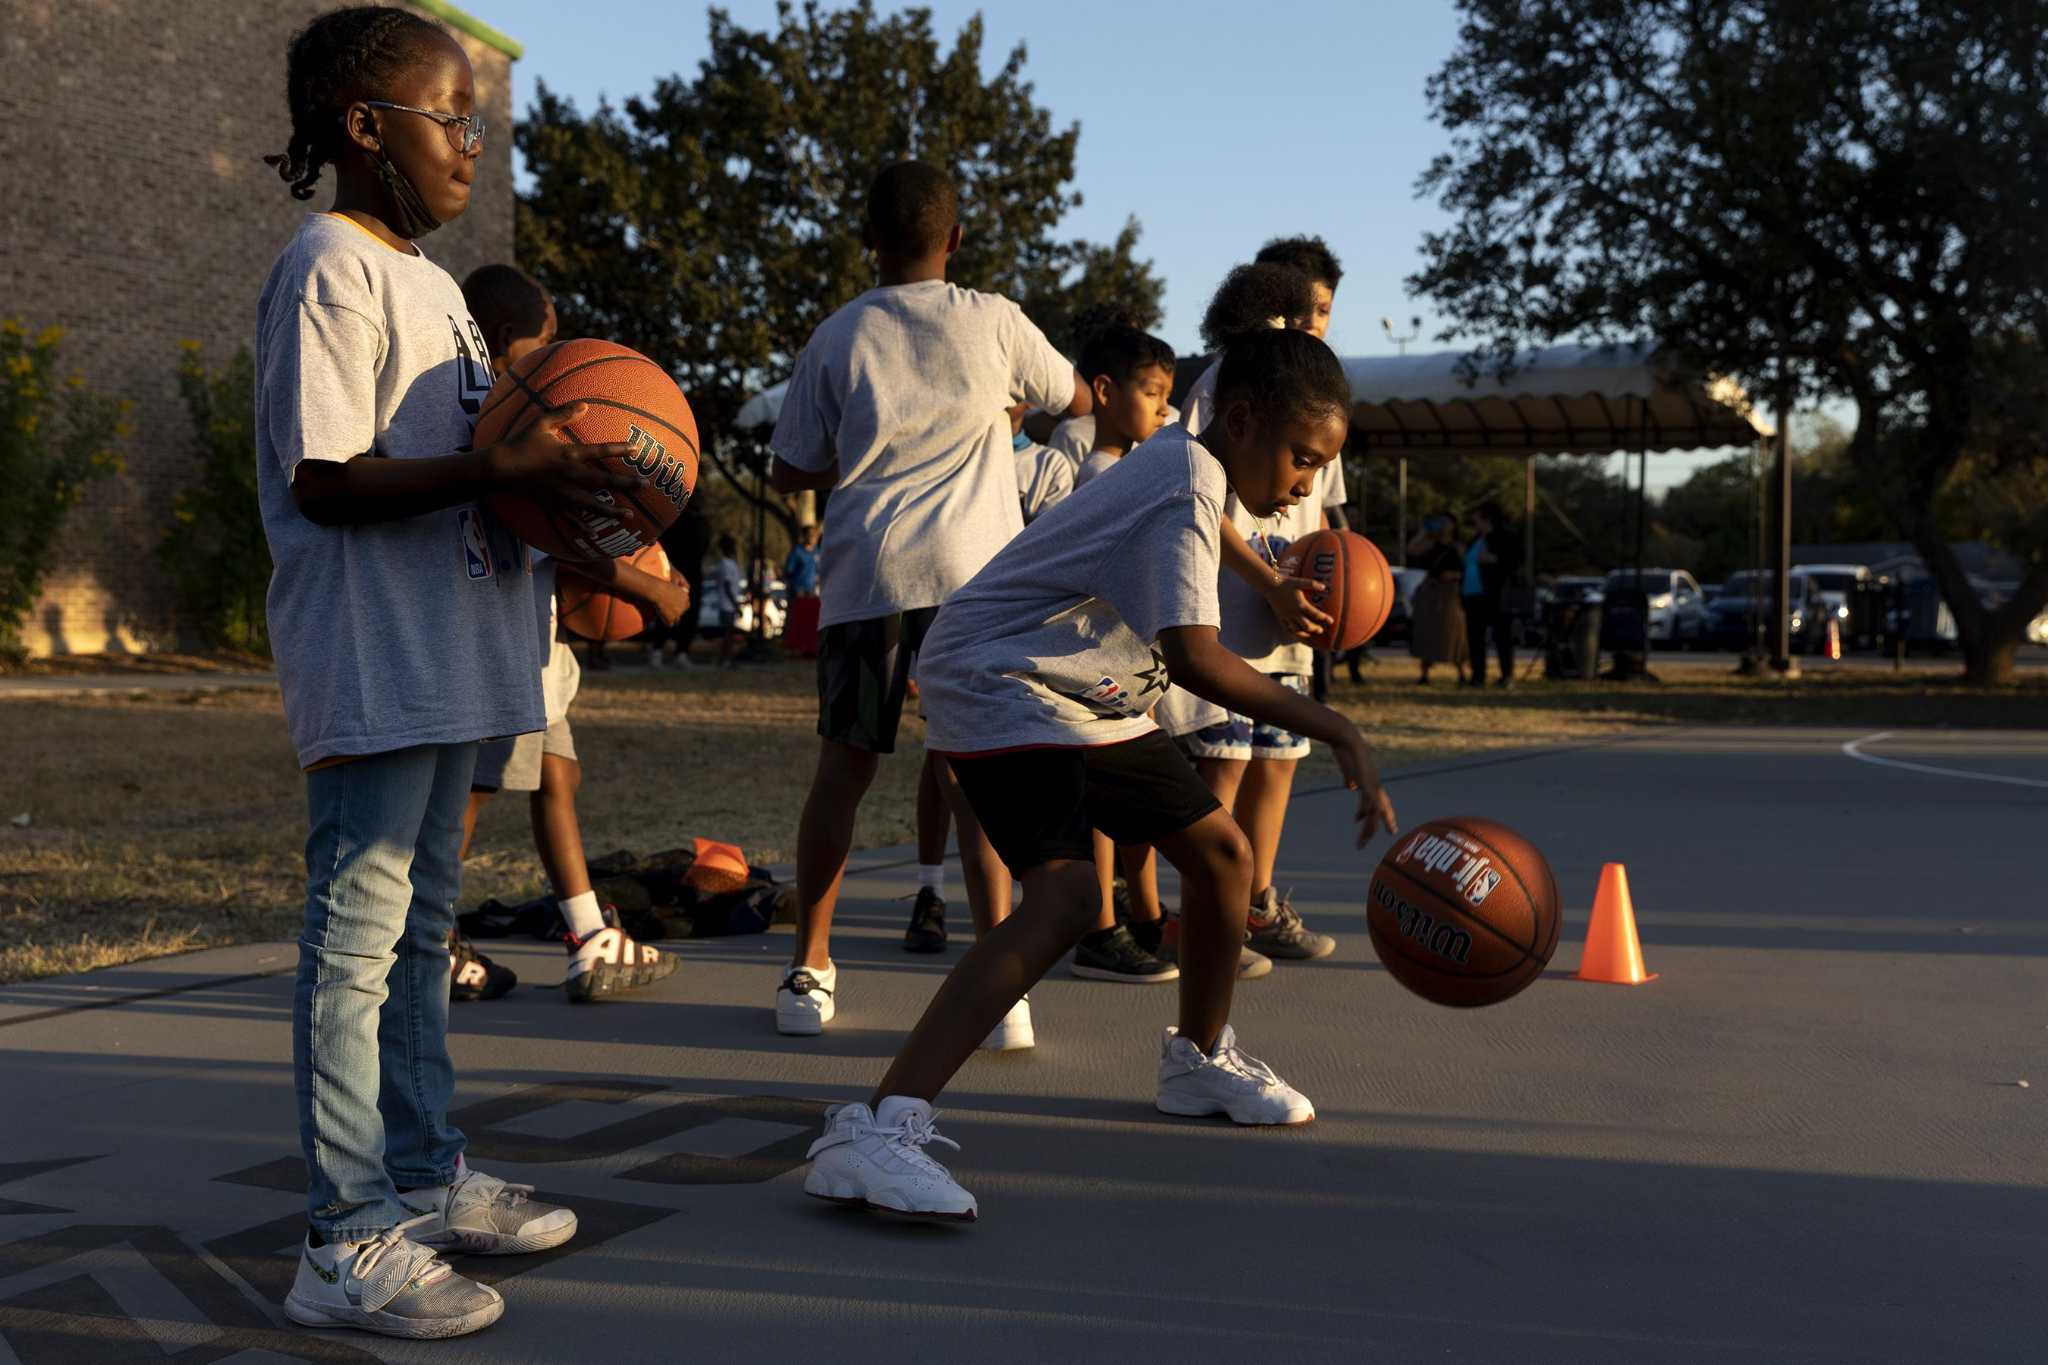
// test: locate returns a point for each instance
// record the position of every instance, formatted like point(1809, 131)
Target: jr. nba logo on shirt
point(476, 542)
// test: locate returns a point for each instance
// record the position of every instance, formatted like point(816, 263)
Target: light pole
point(1401, 471)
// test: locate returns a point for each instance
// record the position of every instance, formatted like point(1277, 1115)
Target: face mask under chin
point(414, 218)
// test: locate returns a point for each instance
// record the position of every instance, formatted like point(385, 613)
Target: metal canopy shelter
point(1556, 400)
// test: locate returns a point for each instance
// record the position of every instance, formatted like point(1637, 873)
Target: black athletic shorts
point(864, 675)
point(1040, 804)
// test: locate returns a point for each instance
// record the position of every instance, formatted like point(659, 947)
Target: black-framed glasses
point(465, 131)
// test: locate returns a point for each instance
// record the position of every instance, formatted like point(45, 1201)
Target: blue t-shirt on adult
point(1473, 586)
point(800, 570)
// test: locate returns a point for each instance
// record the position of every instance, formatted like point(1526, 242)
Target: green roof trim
point(474, 27)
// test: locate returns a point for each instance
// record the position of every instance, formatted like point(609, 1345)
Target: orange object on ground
point(1614, 955)
point(719, 868)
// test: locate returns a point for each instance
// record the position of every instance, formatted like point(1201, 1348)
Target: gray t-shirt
point(395, 633)
point(1054, 643)
point(906, 387)
point(1095, 466)
point(1044, 479)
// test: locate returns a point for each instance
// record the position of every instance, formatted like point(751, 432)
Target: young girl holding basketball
point(402, 622)
point(1038, 680)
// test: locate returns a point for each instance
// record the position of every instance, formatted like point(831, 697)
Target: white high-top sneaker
point(1225, 1081)
point(1014, 1032)
point(876, 1158)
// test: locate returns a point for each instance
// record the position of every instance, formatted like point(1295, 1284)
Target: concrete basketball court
point(1804, 1142)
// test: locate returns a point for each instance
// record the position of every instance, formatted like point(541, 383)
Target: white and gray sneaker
point(1014, 1032)
point(803, 1002)
point(388, 1284)
point(876, 1158)
point(486, 1216)
point(1225, 1081)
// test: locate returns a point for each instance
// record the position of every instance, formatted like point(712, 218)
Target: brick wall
point(136, 212)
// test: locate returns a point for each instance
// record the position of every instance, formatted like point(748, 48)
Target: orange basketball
point(1463, 912)
point(597, 614)
point(631, 399)
point(1358, 587)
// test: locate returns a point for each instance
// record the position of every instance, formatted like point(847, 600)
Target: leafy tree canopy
point(716, 222)
point(1853, 188)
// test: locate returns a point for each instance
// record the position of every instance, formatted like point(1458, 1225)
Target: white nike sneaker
point(803, 1002)
point(1014, 1032)
point(609, 962)
point(876, 1159)
point(388, 1284)
point(487, 1216)
point(1225, 1081)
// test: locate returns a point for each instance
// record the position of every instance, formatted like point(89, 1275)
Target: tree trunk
point(1988, 662)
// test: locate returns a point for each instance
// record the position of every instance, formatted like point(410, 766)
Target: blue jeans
point(370, 1014)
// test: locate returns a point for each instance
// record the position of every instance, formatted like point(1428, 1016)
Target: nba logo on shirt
point(476, 548)
point(1110, 696)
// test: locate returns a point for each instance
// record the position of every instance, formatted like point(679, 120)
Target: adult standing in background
point(1490, 562)
point(686, 542)
point(800, 577)
point(1437, 618)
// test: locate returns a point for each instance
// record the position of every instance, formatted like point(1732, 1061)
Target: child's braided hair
point(348, 54)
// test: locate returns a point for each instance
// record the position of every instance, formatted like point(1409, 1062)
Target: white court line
point(1854, 749)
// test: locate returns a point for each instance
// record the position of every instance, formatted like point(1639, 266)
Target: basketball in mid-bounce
point(596, 613)
point(631, 400)
point(1358, 587)
point(1463, 912)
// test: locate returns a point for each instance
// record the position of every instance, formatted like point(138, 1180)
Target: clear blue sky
point(1218, 123)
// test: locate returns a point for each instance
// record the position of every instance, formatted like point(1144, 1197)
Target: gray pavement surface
point(1803, 1142)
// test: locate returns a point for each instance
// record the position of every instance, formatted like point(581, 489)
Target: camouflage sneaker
point(1277, 931)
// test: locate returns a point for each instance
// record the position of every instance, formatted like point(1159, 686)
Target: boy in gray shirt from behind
point(897, 405)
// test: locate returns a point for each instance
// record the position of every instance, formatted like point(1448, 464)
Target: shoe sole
point(1280, 952)
point(855, 1201)
point(1252, 968)
point(384, 1324)
point(1011, 1044)
point(606, 980)
point(801, 1025)
point(1172, 973)
point(498, 1244)
point(1202, 1109)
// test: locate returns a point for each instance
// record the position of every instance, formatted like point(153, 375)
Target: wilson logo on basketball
point(1471, 872)
point(1445, 940)
point(652, 462)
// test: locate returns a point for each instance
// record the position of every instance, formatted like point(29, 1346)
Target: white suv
point(1678, 609)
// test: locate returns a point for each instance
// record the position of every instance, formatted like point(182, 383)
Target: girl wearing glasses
point(402, 621)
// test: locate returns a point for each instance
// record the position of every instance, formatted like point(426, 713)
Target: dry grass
point(162, 824)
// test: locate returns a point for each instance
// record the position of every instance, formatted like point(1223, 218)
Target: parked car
point(1840, 586)
point(1678, 610)
point(777, 611)
point(1577, 591)
point(1746, 603)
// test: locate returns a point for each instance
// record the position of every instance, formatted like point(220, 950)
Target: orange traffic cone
point(1613, 956)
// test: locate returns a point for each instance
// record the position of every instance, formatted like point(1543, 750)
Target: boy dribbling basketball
point(897, 405)
point(1038, 678)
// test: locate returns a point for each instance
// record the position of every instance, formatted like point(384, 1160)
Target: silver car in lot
point(1678, 609)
